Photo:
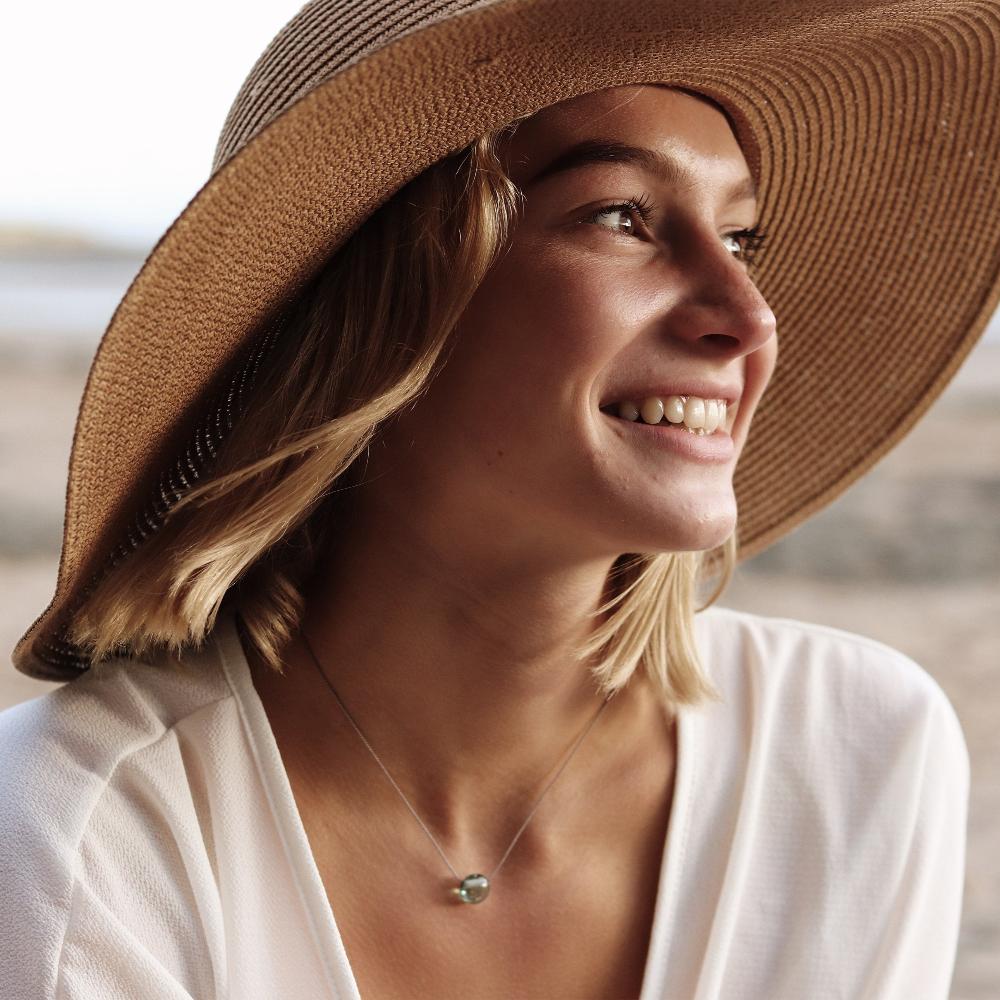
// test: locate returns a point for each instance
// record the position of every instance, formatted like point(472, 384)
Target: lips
point(696, 444)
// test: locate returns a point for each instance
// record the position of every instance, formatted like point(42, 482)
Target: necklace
point(473, 888)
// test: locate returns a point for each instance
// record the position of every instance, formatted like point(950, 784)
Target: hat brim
point(873, 134)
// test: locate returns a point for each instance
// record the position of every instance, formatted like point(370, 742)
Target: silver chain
point(437, 846)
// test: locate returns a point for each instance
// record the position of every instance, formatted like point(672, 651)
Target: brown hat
point(872, 130)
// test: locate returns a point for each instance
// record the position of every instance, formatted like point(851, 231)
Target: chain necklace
point(473, 888)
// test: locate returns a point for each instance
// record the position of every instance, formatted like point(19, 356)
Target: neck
point(458, 666)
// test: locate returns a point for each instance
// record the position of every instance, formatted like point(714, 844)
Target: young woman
point(398, 480)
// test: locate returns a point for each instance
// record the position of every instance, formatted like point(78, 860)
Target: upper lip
point(688, 387)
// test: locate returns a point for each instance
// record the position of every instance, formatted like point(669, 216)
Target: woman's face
point(593, 307)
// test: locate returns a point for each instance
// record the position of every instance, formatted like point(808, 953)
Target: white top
point(150, 844)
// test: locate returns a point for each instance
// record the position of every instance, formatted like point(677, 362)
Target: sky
point(111, 108)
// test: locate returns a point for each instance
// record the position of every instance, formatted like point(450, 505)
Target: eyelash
point(751, 240)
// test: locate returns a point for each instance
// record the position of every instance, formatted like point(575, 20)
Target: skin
point(492, 511)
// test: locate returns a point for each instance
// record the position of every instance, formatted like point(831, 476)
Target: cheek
point(765, 359)
point(758, 369)
point(547, 320)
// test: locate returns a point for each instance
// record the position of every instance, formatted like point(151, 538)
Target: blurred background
point(112, 133)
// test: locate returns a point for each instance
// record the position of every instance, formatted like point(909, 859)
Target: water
point(61, 299)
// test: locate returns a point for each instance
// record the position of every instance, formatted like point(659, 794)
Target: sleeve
point(917, 953)
point(102, 959)
point(70, 931)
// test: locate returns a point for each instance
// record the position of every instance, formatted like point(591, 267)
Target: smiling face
point(593, 306)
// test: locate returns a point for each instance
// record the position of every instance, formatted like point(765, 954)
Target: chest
point(576, 926)
point(569, 915)
point(582, 931)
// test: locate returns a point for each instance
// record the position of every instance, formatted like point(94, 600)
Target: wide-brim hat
point(872, 130)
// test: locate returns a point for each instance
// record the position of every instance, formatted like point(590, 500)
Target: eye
point(637, 205)
point(748, 243)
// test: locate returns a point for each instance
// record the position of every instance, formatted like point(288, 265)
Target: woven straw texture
point(872, 129)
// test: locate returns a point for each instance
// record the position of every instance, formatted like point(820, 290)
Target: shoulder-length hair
point(361, 341)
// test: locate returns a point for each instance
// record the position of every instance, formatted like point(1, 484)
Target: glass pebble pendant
point(474, 888)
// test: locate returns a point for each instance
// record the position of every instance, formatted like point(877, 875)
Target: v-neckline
point(309, 882)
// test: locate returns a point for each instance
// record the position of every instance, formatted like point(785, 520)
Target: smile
point(692, 413)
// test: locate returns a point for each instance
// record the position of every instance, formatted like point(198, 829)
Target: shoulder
point(839, 766)
point(846, 715)
point(801, 663)
point(60, 749)
point(63, 787)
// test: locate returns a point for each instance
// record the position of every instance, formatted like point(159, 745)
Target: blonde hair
point(361, 341)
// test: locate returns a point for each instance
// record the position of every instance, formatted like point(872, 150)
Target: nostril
point(722, 340)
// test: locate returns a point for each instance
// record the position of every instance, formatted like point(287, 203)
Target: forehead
point(690, 130)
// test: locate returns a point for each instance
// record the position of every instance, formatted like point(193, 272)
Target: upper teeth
point(701, 416)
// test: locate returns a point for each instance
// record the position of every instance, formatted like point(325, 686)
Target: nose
point(723, 313)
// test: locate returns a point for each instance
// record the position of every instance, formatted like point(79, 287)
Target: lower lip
point(716, 447)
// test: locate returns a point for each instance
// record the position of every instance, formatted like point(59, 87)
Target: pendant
point(474, 888)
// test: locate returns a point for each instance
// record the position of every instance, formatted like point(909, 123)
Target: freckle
point(499, 452)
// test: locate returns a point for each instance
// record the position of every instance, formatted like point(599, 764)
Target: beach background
point(910, 555)
point(105, 143)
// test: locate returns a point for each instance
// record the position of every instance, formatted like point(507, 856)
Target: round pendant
point(474, 888)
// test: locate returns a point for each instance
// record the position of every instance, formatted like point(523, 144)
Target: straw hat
point(871, 128)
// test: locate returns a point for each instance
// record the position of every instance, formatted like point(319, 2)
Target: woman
point(423, 635)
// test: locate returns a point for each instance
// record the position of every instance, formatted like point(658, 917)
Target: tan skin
point(480, 541)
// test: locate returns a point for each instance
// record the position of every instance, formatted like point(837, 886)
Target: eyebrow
point(667, 168)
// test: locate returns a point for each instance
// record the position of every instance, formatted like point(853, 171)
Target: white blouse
point(151, 847)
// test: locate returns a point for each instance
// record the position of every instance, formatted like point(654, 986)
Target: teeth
point(699, 416)
point(711, 415)
point(673, 409)
point(652, 410)
point(694, 413)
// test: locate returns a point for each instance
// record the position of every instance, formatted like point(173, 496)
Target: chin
point(696, 530)
point(697, 541)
